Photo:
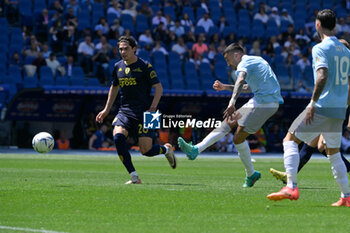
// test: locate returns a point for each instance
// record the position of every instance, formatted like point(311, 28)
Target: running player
point(251, 116)
point(325, 113)
point(309, 148)
point(135, 79)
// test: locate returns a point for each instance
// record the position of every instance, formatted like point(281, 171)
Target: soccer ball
point(43, 142)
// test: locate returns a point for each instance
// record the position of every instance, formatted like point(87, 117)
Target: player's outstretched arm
point(219, 86)
point(158, 92)
point(112, 94)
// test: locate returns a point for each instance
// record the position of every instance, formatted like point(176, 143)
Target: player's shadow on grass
point(170, 184)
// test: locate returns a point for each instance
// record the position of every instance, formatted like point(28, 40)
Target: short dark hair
point(234, 47)
point(128, 39)
point(327, 19)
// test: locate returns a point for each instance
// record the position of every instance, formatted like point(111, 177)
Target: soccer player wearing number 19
point(325, 113)
point(135, 79)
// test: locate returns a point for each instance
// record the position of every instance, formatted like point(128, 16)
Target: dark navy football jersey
point(135, 82)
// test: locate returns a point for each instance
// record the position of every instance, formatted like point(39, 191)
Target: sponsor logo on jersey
point(153, 74)
point(137, 70)
point(127, 82)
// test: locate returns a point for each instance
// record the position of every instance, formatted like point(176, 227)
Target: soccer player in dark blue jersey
point(134, 78)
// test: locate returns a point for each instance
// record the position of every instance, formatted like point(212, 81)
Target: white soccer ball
point(43, 142)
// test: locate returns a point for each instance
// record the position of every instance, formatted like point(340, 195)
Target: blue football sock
point(305, 155)
point(123, 152)
point(155, 150)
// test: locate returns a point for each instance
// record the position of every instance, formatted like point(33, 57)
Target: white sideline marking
point(29, 229)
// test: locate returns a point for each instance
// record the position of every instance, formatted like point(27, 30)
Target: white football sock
point(339, 173)
point(214, 136)
point(134, 176)
point(244, 155)
point(291, 162)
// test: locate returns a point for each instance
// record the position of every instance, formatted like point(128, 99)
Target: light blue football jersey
point(334, 56)
point(261, 79)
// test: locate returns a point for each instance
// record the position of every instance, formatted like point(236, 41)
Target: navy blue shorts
point(133, 125)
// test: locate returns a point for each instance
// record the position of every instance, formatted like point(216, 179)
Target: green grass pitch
point(70, 193)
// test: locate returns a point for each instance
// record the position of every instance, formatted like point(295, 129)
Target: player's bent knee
point(144, 150)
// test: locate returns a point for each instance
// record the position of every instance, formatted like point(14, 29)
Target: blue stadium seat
point(258, 29)
point(243, 17)
point(283, 76)
point(169, 10)
point(204, 68)
point(227, 5)
point(127, 22)
point(39, 5)
point(78, 77)
point(299, 23)
point(46, 81)
point(159, 60)
point(177, 80)
point(273, 3)
point(84, 20)
point(284, 25)
point(46, 76)
point(327, 4)
point(296, 74)
point(198, 30)
point(191, 76)
point(14, 75)
point(271, 29)
point(213, 30)
point(30, 82)
point(220, 72)
point(28, 60)
point(93, 82)
point(144, 55)
point(174, 61)
point(215, 15)
point(288, 5)
point(267, 58)
point(163, 78)
point(199, 13)
point(111, 17)
point(62, 81)
point(97, 12)
point(141, 23)
point(111, 65)
point(309, 77)
point(189, 11)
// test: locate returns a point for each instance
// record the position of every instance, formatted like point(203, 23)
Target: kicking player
point(325, 113)
point(135, 79)
point(308, 149)
point(251, 116)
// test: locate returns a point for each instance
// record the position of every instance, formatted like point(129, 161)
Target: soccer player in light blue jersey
point(325, 113)
point(261, 80)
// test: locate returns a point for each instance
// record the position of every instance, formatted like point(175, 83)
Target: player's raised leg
point(192, 151)
point(147, 149)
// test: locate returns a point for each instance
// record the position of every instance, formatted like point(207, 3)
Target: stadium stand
point(15, 34)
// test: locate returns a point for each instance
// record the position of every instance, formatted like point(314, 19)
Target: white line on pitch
point(29, 229)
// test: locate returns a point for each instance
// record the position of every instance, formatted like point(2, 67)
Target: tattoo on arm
point(322, 75)
point(238, 85)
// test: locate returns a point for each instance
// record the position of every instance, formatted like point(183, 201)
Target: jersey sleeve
point(242, 67)
point(151, 74)
point(115, 81)
point(319, 58)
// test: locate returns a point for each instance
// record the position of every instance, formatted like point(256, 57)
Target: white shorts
point(330, 128)
point(254, 115)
